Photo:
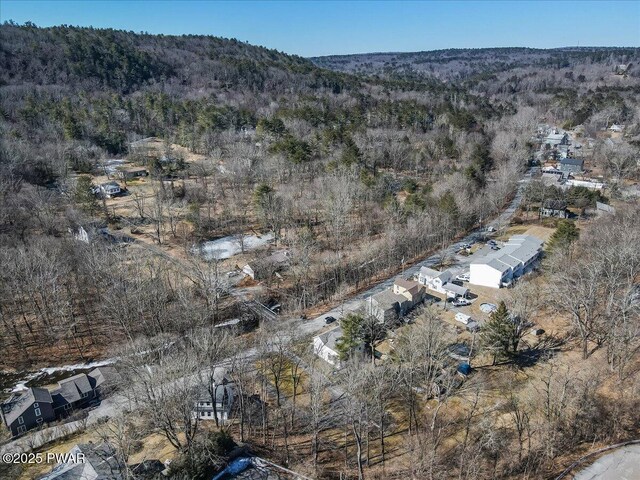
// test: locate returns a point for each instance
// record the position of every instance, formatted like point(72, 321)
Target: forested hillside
point(162, 196)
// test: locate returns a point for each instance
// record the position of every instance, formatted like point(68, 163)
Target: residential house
point(268, 266)
point(441, 282)
point(223, 390)
point(108, 189)
point(129, 173)
point(501, 267)
point(556, 138)
point(616, 128)
point(571, 165)
point(72, 393)
point(28, 410)
point(387, 306)
point(410, 289)
point(325, 346)
point(554, 208)
point(88, 462)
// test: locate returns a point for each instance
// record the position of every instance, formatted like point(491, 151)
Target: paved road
point(110, 406)
point(621, 464)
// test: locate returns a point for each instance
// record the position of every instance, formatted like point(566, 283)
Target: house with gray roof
point(72, 393)
point(88, 462)
point(554, 208)
point(571, 165)
point(27, 410)
point(218, 399)
point(441, 282)
point(500, 268)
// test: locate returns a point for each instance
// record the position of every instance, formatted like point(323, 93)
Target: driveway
point(621, 464)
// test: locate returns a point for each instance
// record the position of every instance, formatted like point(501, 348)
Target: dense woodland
point(358, 165)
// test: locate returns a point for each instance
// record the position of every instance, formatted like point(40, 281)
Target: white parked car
point(463, 318)
point(464, 277)
point(461, 302)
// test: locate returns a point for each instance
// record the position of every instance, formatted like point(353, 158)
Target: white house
point(324, 345)
point(434, 279)
point(109, 189)
point(616, 128)
point(501, 267)
point(441, 282)
point(223, 391)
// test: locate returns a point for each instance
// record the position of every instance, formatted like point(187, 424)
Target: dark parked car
point(328, 320)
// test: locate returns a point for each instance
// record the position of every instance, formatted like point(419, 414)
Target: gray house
point(31, 409)
point(28, 410)
point(72, 393)
point(571, 165)
point(94, 462)
point(223, 390)
point(554, 208)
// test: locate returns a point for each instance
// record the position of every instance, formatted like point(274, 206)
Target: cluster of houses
point(36, 406)
point(501, 267)
point(391, 305)
point(566, 169)
point(387, 307)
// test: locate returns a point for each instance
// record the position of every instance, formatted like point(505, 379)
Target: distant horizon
point(390, 52)
point(318, 29)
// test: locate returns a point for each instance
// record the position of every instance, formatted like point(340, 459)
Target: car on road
point(491, 229)
point(329, 320)
point(492, 242)
point(461, 302)
point(495, 247)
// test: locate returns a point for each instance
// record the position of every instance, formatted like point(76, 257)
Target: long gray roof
point(100, 464)
point(71, 389)
point(518, 250)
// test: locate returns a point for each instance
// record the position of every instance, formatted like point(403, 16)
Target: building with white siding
point(500, 268)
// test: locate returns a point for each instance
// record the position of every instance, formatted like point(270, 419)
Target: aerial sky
point(313, 28)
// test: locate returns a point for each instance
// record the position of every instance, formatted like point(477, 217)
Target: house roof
point(72, 388)
point(99, 464)
point(429, 272)
point(19, 404)
point(555, 204)
point(412, 287)
point(572, 161)
point(457, 289)
point(519, 249)
point(387, 298)
point(224, 394)
point(433, 274)
point(330, 338)
point(102, 375)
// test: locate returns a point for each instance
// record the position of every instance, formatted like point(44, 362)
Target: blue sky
point(311, 28)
